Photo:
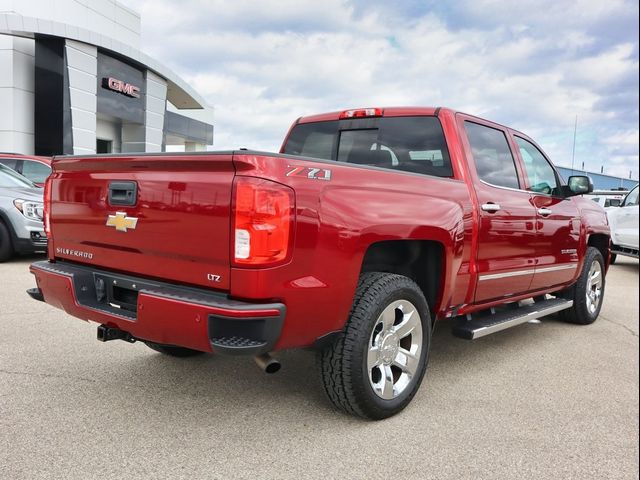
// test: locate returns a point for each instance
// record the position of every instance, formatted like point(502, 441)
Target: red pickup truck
point(368, 227)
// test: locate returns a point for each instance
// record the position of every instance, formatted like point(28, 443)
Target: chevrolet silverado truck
point(366, 229)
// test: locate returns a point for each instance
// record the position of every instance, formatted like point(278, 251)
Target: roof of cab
point(386, 112)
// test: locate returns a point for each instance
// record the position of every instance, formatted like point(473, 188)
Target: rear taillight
point(263, 222)
point(360, 113)
point(47, 208)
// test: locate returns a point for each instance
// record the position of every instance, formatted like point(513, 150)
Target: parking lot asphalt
point(539, 401)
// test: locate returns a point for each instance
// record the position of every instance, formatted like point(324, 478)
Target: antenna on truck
point(573, 152)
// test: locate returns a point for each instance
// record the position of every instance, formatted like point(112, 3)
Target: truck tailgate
point(177, 227)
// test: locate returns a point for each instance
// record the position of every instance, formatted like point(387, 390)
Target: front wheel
point(376, 365)
point(588, 292)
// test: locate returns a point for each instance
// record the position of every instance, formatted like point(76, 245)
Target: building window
point(104, 146)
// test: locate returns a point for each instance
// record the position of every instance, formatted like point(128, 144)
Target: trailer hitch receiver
point(106, 334)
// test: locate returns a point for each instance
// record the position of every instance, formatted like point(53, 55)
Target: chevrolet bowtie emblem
point(122, 222)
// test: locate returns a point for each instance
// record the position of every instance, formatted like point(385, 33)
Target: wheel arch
point(602, 242)
point(4, 219)
point(421, 260)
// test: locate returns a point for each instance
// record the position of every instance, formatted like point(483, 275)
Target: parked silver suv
point(21, 208)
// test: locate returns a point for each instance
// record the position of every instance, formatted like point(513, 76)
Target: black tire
point(343, 364)
point(6, 249)
point(173, 350)
point(613, 259)
point(580, 312)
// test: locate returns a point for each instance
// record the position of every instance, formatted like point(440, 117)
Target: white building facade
point(73, 81)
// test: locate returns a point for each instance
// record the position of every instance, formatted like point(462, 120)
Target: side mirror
point(579, 185)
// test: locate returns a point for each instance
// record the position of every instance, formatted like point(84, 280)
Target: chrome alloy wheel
point(395, 348)
point(594, 287)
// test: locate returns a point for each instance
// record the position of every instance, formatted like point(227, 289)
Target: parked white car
point(623, 221)
point(607, 198)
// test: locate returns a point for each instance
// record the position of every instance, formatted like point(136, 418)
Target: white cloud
point(533, 65)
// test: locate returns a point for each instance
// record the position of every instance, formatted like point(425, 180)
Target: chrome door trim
point(566, 266)
point(517, 273)
point(495, 276)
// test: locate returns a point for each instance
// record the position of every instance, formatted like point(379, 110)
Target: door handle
point(544, 212)
point(490, 207)
point(123, 193)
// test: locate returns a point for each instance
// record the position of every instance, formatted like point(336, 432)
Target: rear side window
point(492, 155)
point(412, 144)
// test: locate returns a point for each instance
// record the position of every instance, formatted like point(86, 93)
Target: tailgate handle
point(123, 193)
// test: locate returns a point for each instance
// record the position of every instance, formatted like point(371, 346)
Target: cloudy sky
point(531, 64)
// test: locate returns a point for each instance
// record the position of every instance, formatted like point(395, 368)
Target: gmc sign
point(119, 86)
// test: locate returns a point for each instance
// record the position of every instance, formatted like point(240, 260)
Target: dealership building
point(73, 81)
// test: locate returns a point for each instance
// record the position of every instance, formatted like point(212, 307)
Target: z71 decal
point(309, 172)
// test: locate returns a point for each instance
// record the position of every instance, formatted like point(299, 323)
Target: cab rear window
point(411, 144)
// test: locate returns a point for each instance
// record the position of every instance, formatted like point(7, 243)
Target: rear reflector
point(360, 113)
point(263, 222)
point(46, 215)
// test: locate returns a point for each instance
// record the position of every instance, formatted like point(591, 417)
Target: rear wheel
point(588, 292)
point(173, 350)
point(6, 249)
point(375, 367)
point(613, 258)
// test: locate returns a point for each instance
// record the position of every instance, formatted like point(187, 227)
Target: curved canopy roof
point(179, 93)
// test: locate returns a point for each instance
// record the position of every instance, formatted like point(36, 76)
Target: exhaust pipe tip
point(267, 363)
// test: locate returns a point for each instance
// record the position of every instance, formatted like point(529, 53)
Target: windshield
point(411, 144)
point(11, 178)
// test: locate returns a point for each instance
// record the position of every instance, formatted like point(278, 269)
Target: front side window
point(542, 176)
point(492, 155)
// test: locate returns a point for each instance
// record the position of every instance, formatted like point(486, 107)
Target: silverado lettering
point(430, 214)
point(74, 253)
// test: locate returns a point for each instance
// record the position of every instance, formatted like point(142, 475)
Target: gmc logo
point(121, 87)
